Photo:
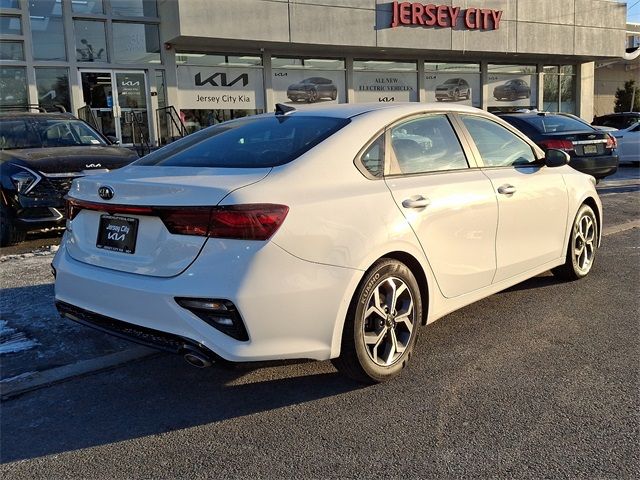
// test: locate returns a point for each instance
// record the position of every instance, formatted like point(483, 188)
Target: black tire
point(334, 95)
point(584, 238)
point(357, 356)
point(9, 234)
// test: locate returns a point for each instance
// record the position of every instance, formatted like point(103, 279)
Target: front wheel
point(381, 327)
point(9, 234)
point(582, 248)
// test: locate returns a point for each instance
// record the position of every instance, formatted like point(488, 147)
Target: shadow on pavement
point(152, 397)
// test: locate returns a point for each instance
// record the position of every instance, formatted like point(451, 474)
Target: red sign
point(430, 15)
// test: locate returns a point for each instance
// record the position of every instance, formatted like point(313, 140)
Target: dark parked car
point(617, 120)
point(40, 156)
point(453, 89)
point(312, 89)
point(512, 90)
point(592, 151)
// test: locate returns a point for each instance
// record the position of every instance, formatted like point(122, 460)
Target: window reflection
point(11, 51)
point(134, 8)
point(91, 44)
point(53, 88)
point(135, 43)
point(87, 6)
point(47, 30)
point(10, 25)
point(13, 86)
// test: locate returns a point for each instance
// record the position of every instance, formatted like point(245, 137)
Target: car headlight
point(24, 180)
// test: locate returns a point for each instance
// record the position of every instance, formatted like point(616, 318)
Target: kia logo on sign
point(106, 193)
point(211, 80)
point(130, 83)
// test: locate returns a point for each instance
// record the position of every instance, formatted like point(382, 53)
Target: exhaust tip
point(197, 360)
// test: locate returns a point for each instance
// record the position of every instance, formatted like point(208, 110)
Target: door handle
point(417, 201)
point(507, 189)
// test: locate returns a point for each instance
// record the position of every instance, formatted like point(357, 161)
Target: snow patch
point(40, 252)
point(12, 341)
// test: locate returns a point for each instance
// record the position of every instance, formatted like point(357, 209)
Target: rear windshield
point(556, 123)
point(247, 143)
point(618, 121)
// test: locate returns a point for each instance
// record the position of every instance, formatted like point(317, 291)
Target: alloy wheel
point(389, 321)
point(584, 237)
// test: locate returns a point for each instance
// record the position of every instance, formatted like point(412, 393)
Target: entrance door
point(118, 101)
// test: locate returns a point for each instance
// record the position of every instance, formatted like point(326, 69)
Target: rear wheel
point(583, 244)
point(9, 234)
point(381, 327)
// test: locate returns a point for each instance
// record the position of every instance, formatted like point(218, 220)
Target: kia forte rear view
point(330, 233)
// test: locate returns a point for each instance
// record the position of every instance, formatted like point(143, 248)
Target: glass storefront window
point(87, 6)
point(53, 88)
point(385, 66)
point(9, 4)
point(308, 63)
point(512, 87)
point(452, 82)
point(10, 25)
point(559, 88)
point(385, 81)
point(91, 43)
point(134, 8)
point(440, 67)
point(136, 43)
point(303, 81)
point(11, 51)
point(13, 86)
point(185, 58)
point(195, 120)
point(47, 30)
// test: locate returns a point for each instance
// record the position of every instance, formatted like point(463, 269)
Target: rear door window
point(426, 144)
point(256, 142)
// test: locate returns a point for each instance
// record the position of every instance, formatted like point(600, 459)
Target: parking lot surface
point(539, 380)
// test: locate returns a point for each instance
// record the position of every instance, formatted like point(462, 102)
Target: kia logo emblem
point(106, 193)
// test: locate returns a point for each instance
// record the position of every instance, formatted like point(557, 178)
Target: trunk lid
point(585, 144)
point(157, 252)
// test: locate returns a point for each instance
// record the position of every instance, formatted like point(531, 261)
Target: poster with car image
point(462, 88)
point(512, 90)
point(385, 86)
point(308, 87)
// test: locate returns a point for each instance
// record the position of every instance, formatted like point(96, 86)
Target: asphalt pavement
point(540, 380)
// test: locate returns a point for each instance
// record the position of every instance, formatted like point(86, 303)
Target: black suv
point(512, 90)
point(592, 151)
point(40, 155)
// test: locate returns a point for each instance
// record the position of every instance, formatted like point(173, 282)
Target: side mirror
point(556, 158)
point(113, 140)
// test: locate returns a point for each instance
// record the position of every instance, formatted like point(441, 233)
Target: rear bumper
point(290, 307)
point(598, 167)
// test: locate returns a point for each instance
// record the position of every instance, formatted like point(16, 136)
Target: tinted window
point(556, 123)
point(247, 143)
point(616, 121)
point(373, 158)
point(426, 144)
point(498, 147)
point(36, 133)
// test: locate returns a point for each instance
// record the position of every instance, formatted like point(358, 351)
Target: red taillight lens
point(612, 142)
point(557, 144)
point(257, 221)
point(247, 222)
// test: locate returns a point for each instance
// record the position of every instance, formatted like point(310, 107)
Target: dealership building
point(152, 69)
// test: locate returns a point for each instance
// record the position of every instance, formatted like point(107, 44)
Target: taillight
point(612, 142)
point(257, 221)
point(557, 144)
point(248, 222)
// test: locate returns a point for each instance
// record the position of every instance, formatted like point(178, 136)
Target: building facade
point(152, 66)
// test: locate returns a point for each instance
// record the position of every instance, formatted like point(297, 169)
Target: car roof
point(619, 114)
point(350, 110)
point(53, 116)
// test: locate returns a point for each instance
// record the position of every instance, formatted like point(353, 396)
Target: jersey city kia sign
point(430, 15)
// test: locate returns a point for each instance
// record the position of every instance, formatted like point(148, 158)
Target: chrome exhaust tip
point(197, 359)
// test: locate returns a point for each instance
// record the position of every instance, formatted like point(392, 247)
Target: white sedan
point(329, 233)
point(628, 143)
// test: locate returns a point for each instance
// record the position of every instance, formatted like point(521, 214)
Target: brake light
point(612, 142)
point(258, 221)
point(557, 144)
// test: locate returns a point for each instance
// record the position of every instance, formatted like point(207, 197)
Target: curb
point(26, 383)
